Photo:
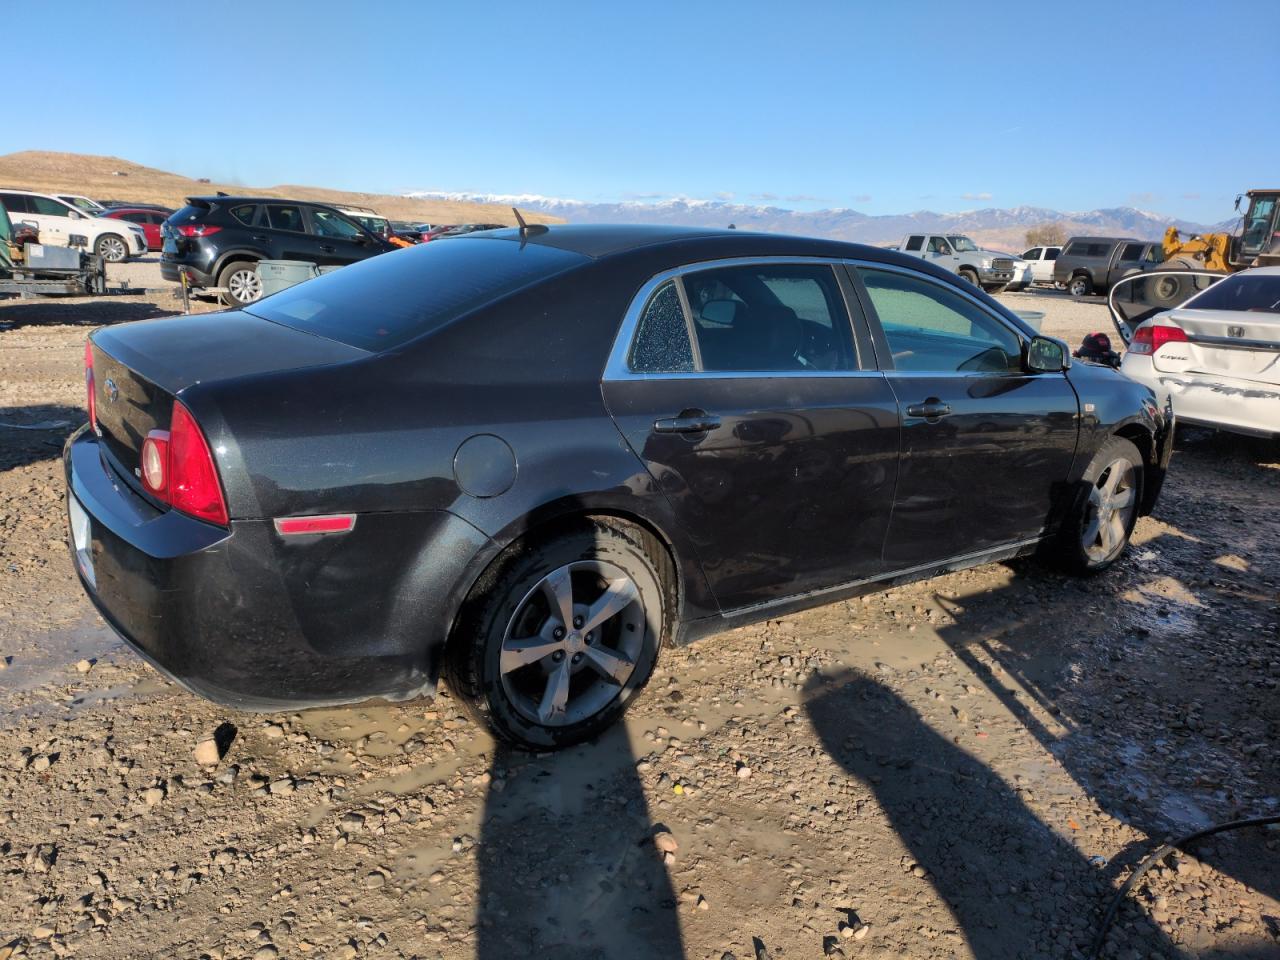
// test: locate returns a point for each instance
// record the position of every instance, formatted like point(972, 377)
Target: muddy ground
point(966, 767)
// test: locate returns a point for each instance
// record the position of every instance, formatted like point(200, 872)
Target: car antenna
point(528, 230)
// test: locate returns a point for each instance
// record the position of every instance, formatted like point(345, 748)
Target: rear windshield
point(390, 299)
point(191, 213)
point(1258, 293)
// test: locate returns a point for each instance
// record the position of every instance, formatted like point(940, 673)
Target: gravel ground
point(966, 767)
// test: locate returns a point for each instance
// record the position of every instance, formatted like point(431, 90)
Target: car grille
point(1001, 264)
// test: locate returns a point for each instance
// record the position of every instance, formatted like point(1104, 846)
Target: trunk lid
point(1240, 344)
point(139, 368)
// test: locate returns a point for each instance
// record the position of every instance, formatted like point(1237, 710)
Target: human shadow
point(34, 433)
point(79, 311)
point(1014, 886)
point(567, 863)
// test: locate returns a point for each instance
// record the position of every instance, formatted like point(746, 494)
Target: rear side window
point(1051, 253)
point(915, 243)
point(771, 318)
point(245, 213)
point(285, 217)
point(15, 202)
point(390, 299)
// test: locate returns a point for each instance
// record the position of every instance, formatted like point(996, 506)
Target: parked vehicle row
point(59, 222)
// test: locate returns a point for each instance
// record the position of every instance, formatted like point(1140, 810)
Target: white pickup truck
point(988, 269)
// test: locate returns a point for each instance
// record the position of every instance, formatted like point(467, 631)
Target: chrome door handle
point(931, 409)
point(696, 423)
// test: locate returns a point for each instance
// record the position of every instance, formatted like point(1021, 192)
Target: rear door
point(1128, 260)
point(287, 236)
point(986, 446)
point(742, 388)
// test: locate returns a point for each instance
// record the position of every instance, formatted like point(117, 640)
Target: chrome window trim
point(1024, 337)
point(617, 369)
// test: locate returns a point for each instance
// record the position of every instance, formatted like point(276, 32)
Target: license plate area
point(81, 538)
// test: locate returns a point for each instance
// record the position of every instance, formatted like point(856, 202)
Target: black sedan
point(529, 460)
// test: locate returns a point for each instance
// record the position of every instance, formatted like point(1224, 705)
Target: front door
point(986, 447)
point(338, 239)
point(741, 389)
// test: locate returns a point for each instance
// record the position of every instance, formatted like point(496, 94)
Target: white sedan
point(1215, 357)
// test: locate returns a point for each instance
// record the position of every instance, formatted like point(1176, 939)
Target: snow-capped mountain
point(993, 225)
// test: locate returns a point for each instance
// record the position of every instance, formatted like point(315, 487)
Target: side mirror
point(1045, 355)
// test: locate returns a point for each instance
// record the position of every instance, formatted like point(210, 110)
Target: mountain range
point(993, 226)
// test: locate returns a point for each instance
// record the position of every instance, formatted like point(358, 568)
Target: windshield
point(85, 204)
point(962, 244)
point(1256, 293)
point(380, 226)
point(390, 299)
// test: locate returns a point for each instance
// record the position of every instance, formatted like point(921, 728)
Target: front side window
point(1033, 254)
point(46, 207)
point(134, 217)
point(938, 245)
point(662, 343)
point(1257, 225)
point(328, 223)
point(931, 328)
point(963, 244)
point(1132, 251)
point(285, 217)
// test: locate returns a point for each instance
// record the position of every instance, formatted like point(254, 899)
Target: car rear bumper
point(256, 621)
point(1224, 403)
point(171, 270)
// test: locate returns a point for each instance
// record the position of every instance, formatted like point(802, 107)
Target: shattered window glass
point(661, 343)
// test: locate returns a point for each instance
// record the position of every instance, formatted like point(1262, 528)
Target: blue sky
point(884, 107)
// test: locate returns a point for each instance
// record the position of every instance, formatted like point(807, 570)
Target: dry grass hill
point(115, 179)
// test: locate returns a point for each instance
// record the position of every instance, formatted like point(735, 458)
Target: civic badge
point(113, 392)
point(1235, 331)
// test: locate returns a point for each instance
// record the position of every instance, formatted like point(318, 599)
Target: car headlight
point(986, 263)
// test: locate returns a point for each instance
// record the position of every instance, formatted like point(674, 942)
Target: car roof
point(601, 241)
point(1109, 240)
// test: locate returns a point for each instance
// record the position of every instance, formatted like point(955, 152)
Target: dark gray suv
point(1094, 264)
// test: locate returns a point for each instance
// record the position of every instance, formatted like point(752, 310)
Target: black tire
point(994, 288)
point(112, 248)
point(1079, 286)
point(970, 276)
point(1073, 552)
point(238, 287)
point(510, 598)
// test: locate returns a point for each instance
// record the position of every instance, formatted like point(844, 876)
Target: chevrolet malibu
point(528, 461)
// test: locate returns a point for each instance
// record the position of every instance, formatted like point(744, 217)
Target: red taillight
point(155, 463)
point(1151, 338)
point(197, 230)
point(90, 386)
point(193, 485)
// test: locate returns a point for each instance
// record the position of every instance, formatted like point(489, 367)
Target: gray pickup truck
point(989, 269)
point(1095, 264)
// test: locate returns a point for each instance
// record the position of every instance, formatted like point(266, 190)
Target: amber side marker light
point(301, 526)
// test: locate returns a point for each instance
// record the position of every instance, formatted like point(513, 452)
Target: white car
point(113, 240)
point(1041, 260)
point(92, 207)
point(1215, 358)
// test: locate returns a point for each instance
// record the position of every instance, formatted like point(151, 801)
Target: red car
point(149, 218)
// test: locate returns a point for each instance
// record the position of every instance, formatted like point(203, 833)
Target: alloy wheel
point(112, 249)
point(572, 643)
point(1112, 500)
point(245, 286)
